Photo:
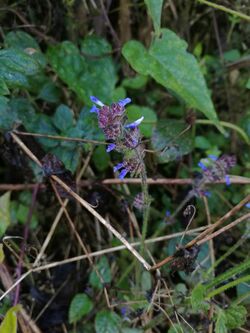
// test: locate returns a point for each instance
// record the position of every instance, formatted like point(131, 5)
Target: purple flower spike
point(124, 101)
point(123, 173)
point(110, 147)
point(94, 109)
point(213, 157)
point(96, 101)
point(227, 179)
point(135, 123)
point(118, 167)
point(202, 166)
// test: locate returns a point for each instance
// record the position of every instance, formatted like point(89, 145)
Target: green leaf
point(220, 325)
point(104, 270)
point(9, 324)
point(202, 142)
point(101, 158)
point(16, 66)
point(168, 62)
point(137, 82)
point(88, 72)
point(146, 282)
point(107, 322)
point(197, 297)
point(3, 87)
point(23, 41)
point(4, 212)
point(236, 316)
point(135, 112)
point(49, 92)
point(79, 306)
point(63, 118)
point(168, 141)
point(154, 10)
point(20, 40)
point(243, 289)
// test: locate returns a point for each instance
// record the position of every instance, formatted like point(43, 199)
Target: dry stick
point(59, 137)
point(207, 231)
point(227, 227)
point(131, 181)
point(94, 254)
point(85, 204)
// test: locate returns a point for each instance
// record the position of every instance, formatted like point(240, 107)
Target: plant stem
point(225, 9)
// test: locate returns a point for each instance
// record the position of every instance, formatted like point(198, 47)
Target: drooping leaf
point(107, 322)
point(154, 9)
point(80, 305)
point(9, 324)
point(135, 112)
point(104, 270)
point(4, 212)
point(168, 62)
point(168, 141)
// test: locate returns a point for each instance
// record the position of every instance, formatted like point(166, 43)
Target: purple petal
point(124, 101)
point(118, 167)
point(207, 194)
point(94, 109)
point(110, 147)
point(123, 173)
point(202, 166)
point(213, 157)
point(227, 179)
point(247, 205)
point(96, 101)
point(135, 123)
point(167, 214)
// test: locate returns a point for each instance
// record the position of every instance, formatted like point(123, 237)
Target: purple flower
point(123, 173)
point(96, 101)
point(247, 205)
point(110, 147)
point(213, 157)
point(202, 166)
point(118, 167)
point(227, 180)
point(94, 109)
point(135, 123)
point(167, 213)
point(124, 101)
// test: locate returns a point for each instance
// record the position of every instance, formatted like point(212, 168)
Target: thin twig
point(131, 181)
